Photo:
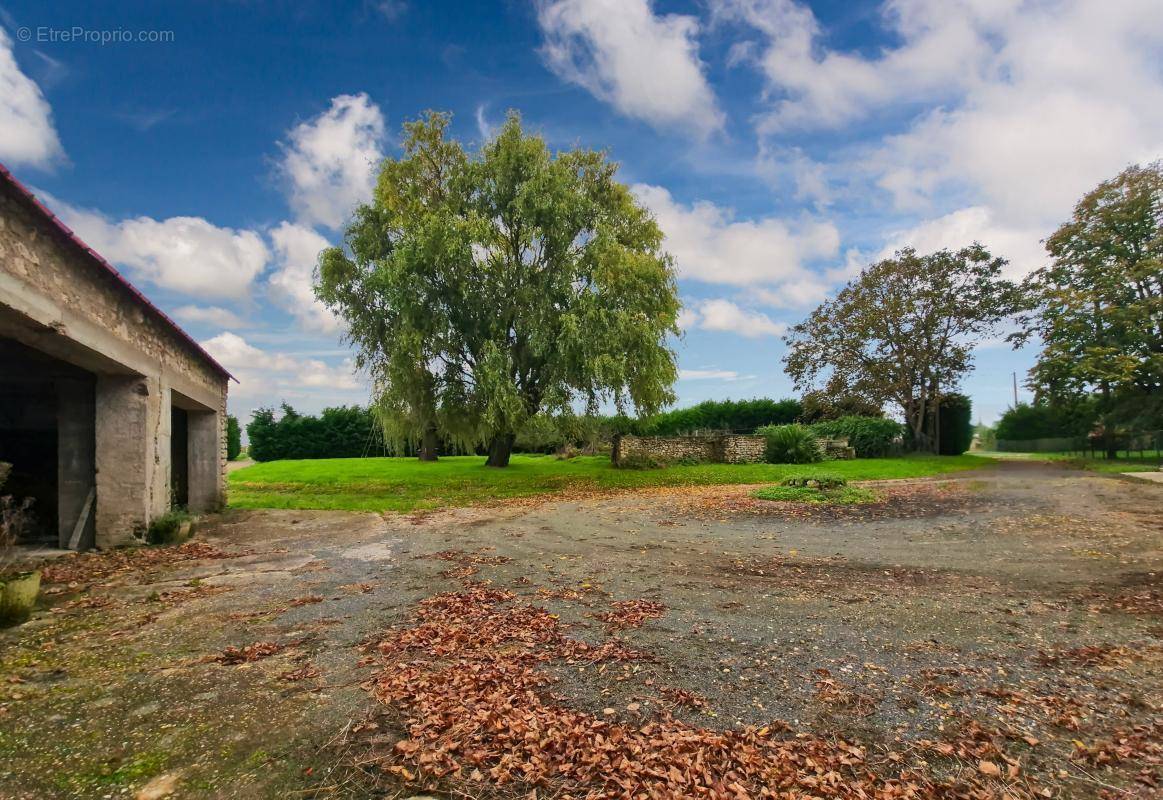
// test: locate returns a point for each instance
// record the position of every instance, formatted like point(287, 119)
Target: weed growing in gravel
point(842, 495)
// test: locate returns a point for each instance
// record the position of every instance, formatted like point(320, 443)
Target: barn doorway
point(47, 434)
point(179, 457)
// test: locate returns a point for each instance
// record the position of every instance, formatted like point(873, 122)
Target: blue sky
point(781, 144)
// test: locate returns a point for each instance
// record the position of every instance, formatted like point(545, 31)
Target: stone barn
point(109, 412)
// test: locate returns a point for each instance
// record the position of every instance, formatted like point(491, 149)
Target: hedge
point(956, 424)
point(871, 437)
point(1046, 421)
point(340, 432)
point(741, 416)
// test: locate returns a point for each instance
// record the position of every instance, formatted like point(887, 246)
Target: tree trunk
point(500, 448)
point(428, 444)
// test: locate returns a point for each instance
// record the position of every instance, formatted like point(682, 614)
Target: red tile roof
point(97, 260)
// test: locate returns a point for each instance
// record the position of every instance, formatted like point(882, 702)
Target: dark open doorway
point(47, 435)
point(179, 457)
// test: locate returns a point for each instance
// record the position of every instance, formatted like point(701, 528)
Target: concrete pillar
point(128, 414)
point(205, 468)
point(76, 457)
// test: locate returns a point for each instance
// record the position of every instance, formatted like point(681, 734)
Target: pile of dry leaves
point(631, 614)
point(75, 571)
point(469, 681)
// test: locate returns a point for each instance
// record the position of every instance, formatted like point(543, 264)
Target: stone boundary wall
point(727, 448)
point(722, 448)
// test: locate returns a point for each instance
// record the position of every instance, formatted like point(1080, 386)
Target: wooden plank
point(82, 520)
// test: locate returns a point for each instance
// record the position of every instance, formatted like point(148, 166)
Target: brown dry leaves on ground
point(251, 652)
point(83, 569)
point(469, 682)
point(631, 614)
point(903, 500)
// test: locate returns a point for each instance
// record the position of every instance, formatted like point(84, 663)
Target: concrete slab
point(1154, 477)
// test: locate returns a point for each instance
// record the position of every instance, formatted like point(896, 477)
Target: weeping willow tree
point(482, 290)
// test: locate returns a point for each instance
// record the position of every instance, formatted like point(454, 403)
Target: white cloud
point(945, 46)
point(725, 316)
point(210, 315)
point(267, 378)
point(484, 127)
point(296, 253)
point(330, 161)
point(710, 375)
point(391, 10)
point(687, 318)
point(646, 66)
point(185, 254)
point(231, 350)
point(1016, 105)
point(710, 246)
point(27, 134)
point(1021, 246)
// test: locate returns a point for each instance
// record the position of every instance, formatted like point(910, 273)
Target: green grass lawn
point(1134, 463)
point(405, 484)
point(840, 495)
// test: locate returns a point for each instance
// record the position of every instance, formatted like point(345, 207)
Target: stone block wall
point(726, 448)
point(742, 449)
point(58, 298)
point(723, 448)
point(34, 252)
point(664, 448)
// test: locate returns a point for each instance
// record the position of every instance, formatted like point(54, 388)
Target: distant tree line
point(340, 432)
point(354, 431)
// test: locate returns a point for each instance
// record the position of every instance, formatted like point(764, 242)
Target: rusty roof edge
point(113, 272)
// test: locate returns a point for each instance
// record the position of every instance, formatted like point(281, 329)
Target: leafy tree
point(233, 438)
point(1097, 307)
point(903, 331)
point(986, 436)
point(481, 291)
point(821, 406)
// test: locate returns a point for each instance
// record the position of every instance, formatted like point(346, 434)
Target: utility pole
point(1015, 390)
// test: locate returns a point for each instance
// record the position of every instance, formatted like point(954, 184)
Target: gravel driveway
point(1023, 600)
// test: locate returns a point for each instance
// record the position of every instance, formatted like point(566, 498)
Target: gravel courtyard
point(994, 634)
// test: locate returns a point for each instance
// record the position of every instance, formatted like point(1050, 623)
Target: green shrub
point(233, 438)
point(819, 481)
point(956, 424)
point(843, 495)
point(167, 528)
point(871, 437)
point(791, 444)
point(640, 461)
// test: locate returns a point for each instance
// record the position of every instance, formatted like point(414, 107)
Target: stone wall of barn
point(55, 299)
